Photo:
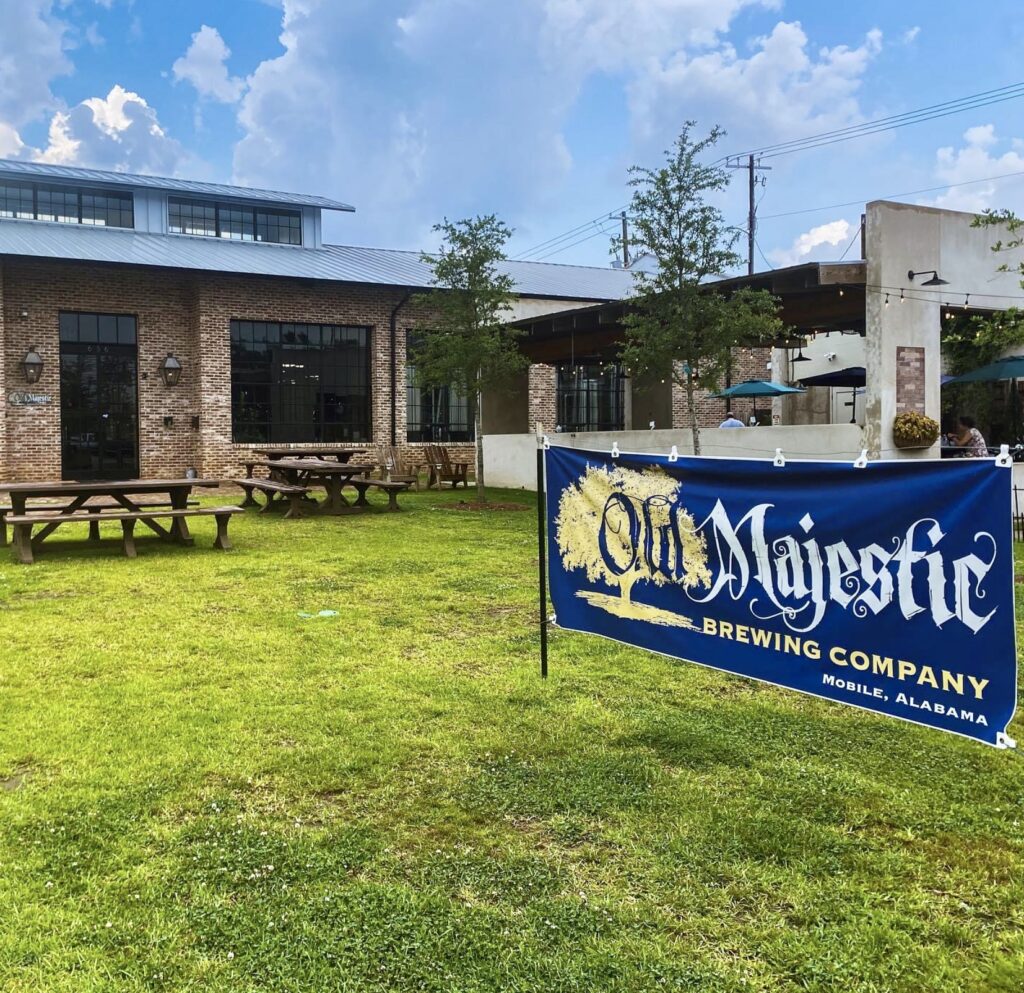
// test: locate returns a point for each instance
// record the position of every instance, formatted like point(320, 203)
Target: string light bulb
point(902, 298)
point(887, 299)
point(967, 302)
point(841, 291)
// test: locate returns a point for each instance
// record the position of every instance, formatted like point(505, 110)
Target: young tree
point(466, 344)
point(679, 325)
point(1014, 228)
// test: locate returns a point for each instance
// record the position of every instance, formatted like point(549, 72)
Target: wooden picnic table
point(338, 454)
point(332, 476)
point(119, 491)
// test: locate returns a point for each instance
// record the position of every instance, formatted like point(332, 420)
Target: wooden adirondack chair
point(394, 468)
point(444, 470)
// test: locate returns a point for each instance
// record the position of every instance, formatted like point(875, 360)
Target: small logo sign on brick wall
point(20, 398)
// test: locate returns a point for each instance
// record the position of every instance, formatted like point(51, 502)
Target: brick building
point(149, 326)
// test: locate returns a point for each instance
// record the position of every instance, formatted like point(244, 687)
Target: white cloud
point(809, 246)
point(120, 132)
point(11, 145)
point(470, 101)
point(781, 91)
point(31, 57)
point(975, 162)
point(466, 121)
point(204, 66)
point(611, 35)
point(910, 35)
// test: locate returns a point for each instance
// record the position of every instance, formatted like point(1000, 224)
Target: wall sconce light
point(24, 313)
point(171, 370)
point(168, 422)
point(32, 364)
point(934, 281)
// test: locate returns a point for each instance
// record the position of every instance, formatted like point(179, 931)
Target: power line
point(551, 242)
point(563, 241)
point(892, 196)
point(848, 247)
point(878, 125)
point(565, 248)
point(761, 253)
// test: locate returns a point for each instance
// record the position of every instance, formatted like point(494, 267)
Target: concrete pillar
point(902, 348)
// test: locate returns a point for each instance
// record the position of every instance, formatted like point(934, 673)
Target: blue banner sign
point(888, 587)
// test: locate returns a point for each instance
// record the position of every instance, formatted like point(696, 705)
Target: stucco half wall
point(510, 460)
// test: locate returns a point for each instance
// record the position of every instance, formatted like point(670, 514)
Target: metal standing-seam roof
point(337, 263)
point(12, 169)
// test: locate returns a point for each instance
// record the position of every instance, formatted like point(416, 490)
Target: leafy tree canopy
point(679, 325)
point(466, 344)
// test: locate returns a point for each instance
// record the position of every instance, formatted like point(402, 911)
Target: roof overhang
point(27, 172)
point(814, 297)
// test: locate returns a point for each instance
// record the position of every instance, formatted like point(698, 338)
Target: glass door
point(99, 397)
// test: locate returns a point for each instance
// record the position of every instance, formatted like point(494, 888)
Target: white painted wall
point(525, 306)
point(510, 460)
point(901, 237)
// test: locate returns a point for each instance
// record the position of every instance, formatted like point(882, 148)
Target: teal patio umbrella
point(1012, 367)
point(756, 388)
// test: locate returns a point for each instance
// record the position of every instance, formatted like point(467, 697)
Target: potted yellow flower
point(912, 429)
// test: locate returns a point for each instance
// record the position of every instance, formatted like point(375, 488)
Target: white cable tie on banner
point(780, 459)
point(673, 456)
point(862, 462)
point(1003, 458)
point(615, 449)
point(1003, 740)
point(544, 443)
point(553, 620)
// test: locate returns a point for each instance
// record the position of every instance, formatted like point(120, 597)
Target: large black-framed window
point(66, 204)
point(236, 222)
point(294, 383)
point(441, 414)
point(591, 396)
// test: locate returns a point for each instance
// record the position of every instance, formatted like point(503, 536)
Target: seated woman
point(969, 438)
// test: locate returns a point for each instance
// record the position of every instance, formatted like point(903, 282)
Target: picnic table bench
point(122, 494)
point(272, 489)
point(273, 454)
point(294, 478)
point(24, 523)
point(93, 505)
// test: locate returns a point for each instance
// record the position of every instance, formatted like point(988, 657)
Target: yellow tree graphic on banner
point(622, 526)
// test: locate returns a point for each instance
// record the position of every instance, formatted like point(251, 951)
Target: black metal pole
point(542, 571)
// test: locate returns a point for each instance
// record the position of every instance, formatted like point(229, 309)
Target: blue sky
point(416, 109)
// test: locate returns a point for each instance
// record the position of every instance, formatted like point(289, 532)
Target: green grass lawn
point(202, 790)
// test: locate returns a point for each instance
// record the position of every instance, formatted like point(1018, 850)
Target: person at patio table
point(969, 438)
point(731, 421)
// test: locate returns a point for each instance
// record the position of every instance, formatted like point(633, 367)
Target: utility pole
point(753, 167)
point(625, 239)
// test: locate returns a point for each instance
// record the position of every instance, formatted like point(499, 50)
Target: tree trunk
point(691, 406)
point(626, 583)
point(477, 428)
